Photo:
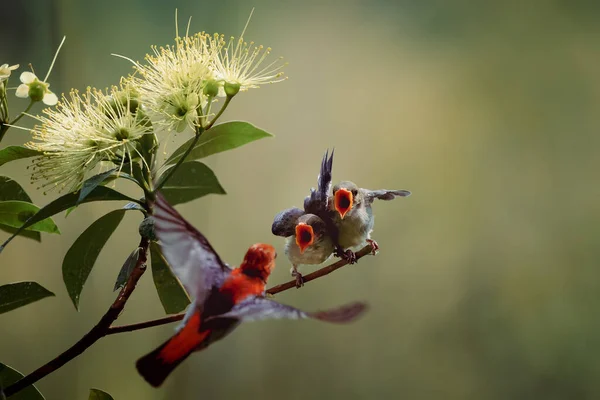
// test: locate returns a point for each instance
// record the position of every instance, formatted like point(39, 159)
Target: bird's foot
point(346, 255)
point(374, 246)
point(299, 279)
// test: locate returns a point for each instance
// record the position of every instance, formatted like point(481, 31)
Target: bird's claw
point(374, 246)
point(299, 279)
point(346, 255)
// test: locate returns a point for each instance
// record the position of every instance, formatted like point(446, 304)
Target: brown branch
point(274, 290)
point(97, 332)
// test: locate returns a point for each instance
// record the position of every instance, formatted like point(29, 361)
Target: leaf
point(11, 190)
point(100, 193)
point(8, 376)
point(92, 183)
point(15, 213)
point(12, 153)
point(126, 269)
point(219, 138)
point(134, 206)
point(27, 234)
point(190, 181)
point(15, 295)
point(97, 394)
point(172, 295)
point(82, 255)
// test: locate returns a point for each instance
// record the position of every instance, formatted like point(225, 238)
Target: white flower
point(239, 66)
point(84, 130)
point(35, 89)
point(172, 81)
point(5, 71)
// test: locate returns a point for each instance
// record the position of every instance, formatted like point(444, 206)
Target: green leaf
point(82, 255)
point(97, 394)
point(15, 213)
point(11, 190)
point(27, 234)
point(219, 138)
point(8, 376)
point(12, 153)
point(15, 295)
point(100, 193)
point(190, 181)
point(172, 295)
point(92, 183)
point(127, 269)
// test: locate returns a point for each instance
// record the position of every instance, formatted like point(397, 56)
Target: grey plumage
point(356, 226)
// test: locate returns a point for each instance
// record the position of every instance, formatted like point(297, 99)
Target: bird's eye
point(354, 192)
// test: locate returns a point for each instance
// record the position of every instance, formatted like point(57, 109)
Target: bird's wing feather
point(187, 251)
point(285, 222)
point(384, 194)
point(261, 308)
point(316, 202)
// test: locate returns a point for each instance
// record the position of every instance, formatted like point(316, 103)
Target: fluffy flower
point(35, 89)
point(171, 82)
point(85, 130)
point(5, 71)
point(241, 66)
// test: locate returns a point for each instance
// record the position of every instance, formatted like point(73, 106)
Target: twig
point(274, 290)
point(97, 332)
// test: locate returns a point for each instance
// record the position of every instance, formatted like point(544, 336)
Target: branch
point(274, 290)
point(97, 332)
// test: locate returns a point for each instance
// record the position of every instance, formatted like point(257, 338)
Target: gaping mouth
point(343, 201)
point(305, 236)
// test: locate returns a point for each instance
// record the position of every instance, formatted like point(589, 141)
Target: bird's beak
point(305, 236)
point(343, 202)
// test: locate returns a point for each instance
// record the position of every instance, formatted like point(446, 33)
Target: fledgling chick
point(310, 244)
point(354, 217)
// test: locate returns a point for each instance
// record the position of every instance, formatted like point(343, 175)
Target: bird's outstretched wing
point(188, 252)
point(284, 223)
point(316, 202)
point(260, 308)
point(384, 194)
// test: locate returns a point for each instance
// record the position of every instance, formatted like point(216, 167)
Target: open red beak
point(305, 236)
point(343, 201)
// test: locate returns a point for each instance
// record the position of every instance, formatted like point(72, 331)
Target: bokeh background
point(487, 283)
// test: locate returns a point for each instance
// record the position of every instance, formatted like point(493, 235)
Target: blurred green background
point(487, 283)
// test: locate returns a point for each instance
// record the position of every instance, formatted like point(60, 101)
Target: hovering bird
point(222, 297)
point(354, 217)
point(312, 235)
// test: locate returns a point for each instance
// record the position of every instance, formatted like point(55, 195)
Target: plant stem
point(170, 172)
point(221, 111)
point(98, 331)
point(274, 290)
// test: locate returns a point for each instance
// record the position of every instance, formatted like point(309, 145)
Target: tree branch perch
point(103, 327)
point(97, 332)
point(274, 290)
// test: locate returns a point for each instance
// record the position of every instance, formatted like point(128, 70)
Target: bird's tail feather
point(157, 365)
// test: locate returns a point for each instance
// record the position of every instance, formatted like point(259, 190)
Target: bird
point(222, 297)
point(310, 244)
point(354, 217)
point(317, 214)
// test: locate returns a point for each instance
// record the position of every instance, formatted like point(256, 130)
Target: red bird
point(223, 297)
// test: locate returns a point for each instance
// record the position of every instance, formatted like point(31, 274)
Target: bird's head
point(259, 261)
point(309, 229)
point(346, 195)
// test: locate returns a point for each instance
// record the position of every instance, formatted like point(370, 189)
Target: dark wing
point(260, 308)
point(187, 251)
point(316, 202)
point(284, 223)
point(383, 194)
